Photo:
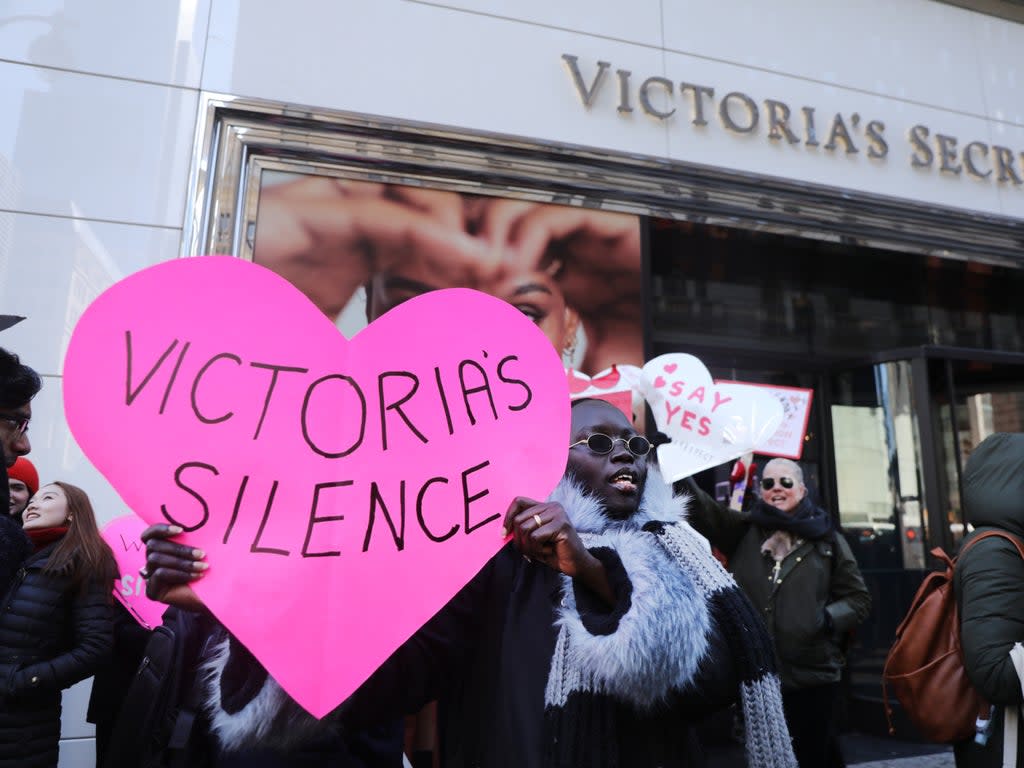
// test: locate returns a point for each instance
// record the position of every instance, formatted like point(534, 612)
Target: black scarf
point(808, 521)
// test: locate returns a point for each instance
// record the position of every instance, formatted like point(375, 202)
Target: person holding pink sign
point(597, 636)
point(55, 624)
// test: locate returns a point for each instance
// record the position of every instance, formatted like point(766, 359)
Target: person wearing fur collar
point(597, 637)
point(803, 578)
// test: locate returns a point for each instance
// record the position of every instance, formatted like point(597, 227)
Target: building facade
point(829, 198)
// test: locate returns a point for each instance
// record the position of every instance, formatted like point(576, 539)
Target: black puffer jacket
point(51, 637)
point(14, 545)
point(988, 582)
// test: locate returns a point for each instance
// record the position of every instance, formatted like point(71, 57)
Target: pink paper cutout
point(123, 535)
point(211, 326)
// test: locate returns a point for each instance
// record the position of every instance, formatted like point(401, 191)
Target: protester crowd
point(620, 615)
point(601, 634)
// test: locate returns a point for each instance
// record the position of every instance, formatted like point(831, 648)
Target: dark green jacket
point(989, 586)
point(815, 578)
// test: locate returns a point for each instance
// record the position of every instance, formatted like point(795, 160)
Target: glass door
point(878, 464)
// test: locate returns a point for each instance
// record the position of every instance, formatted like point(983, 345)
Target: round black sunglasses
point(602, 444)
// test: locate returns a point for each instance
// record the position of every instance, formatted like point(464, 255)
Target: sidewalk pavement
point(880, 752)
point(860, 750)
point(941, 760)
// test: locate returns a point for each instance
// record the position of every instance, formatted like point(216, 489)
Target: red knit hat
point(24, 471)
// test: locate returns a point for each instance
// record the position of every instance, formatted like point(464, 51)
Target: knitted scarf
point(806, 521)
point(679, 590)
point(44, 537)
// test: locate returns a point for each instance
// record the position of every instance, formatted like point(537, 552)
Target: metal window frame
point(239, 138)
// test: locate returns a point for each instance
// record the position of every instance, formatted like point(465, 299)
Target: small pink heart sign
point(124, 537)
point(343, 490)
point(708, 423)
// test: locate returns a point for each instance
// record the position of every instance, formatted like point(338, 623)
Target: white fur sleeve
point(660, 640)
point(271, 717)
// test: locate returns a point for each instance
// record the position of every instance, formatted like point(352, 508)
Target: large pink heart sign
point(342, 490)
point(124, 537)
point(708, 424)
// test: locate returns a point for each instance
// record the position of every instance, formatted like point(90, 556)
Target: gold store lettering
point(740, 114)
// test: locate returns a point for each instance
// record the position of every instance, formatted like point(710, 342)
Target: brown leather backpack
point(925, 666)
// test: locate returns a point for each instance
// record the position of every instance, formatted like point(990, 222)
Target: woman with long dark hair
point(55, 622)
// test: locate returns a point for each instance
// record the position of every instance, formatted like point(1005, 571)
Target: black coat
point(52, 635)
point(988, 581)
point(487, 660)
point(817, 578)
point(14, 544)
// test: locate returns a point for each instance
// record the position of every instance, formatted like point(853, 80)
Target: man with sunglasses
point(18, 385)
point(802, 576)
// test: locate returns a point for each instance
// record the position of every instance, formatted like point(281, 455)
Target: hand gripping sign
point(123, 536)
point(342, 490)
point(708, 424)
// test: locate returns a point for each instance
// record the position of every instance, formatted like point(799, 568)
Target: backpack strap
point(989, 534)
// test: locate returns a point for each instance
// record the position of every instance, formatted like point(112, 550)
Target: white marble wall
point(100, 100)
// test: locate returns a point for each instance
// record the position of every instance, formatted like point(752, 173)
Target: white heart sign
point(707, 423)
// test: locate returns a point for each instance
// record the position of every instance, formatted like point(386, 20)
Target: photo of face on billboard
point(359, 248)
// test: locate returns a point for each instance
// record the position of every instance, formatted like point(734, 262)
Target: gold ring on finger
point(538, 520)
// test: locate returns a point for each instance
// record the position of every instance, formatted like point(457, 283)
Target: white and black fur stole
point(679, 589)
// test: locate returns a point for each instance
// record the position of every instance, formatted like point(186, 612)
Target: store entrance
point(901, 428)
point(885, 447)
point(913, 359)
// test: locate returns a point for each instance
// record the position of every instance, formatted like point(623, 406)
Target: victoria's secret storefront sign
point(740, 113)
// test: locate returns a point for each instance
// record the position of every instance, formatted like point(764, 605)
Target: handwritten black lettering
point(237, 507)
point(174, 376)
point(419, 511)
point(315, 520)
point(132, 543)
point(398, 534)
point(129, 394)
point(475, 497)
point(444, 401)
point(270, 387)
point(191, 492)
point(305, 416)
point(466, 392)
point(195, 387)
point(256, 548)
point(397, 405)
point(518, 382)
